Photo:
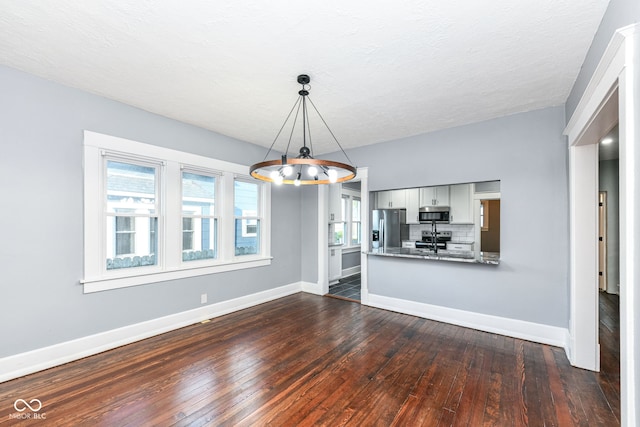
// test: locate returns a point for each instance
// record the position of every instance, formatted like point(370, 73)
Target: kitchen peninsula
point(492, 258)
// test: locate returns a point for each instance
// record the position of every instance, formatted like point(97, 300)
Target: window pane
point(343, 207)
point(338, 233)
point(247, 243)
point(131, 188)
point(187, 234)
point(355, 210)
point(199, 241)
point(245, 198)
point(355, 233)
point(198, 194)
point(131, 242)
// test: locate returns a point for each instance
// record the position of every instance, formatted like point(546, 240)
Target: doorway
point(611, 95)
point(352, 272)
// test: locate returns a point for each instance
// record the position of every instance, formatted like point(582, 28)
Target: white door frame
point(322, 286)
point(617, 76)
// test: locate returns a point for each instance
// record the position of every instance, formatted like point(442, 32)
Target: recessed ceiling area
point(379, 70)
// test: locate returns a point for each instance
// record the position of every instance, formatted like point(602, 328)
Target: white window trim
point(170, 266)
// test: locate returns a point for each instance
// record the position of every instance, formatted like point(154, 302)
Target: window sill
point(349, 249)
point(107, 283)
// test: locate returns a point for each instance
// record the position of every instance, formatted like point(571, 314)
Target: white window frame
point(254, 216)
point(350, 195)
point(170, 265)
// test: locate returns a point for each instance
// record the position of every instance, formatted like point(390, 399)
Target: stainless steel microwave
point(429, 214)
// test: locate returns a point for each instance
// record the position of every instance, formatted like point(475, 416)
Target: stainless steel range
point(441, 238)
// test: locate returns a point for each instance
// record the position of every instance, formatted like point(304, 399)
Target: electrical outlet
point(203, 299)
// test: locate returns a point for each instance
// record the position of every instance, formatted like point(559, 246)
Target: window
point(246, 207)
point(484, 215)
point(351, 211)
point(356, 226)
point(131, 214)
point(153, 214)
point(199, 222)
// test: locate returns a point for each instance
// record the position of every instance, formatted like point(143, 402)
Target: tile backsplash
point(463, 233)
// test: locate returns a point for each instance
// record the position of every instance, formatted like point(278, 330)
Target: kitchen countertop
point(492, 258)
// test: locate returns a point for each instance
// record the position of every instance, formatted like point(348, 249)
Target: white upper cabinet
point(412, 197)
point(461, 211)
point(391, 199)
point(335, 203)
point(434, 196)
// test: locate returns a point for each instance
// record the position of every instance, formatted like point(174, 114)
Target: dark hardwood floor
point(309, 360)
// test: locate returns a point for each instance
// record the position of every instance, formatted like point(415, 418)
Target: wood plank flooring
point(308, 360)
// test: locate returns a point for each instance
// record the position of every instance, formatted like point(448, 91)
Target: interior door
point(602, 240)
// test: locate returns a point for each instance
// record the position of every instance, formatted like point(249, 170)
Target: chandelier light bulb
point(312, 170)
point(333, 176)
point(274, 175)
point(278, 179)
point(287, 170)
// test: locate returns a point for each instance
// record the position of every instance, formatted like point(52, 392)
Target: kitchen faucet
point(434, 236)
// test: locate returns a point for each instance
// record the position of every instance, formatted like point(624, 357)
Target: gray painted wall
point(528, 154)
point(620, 13)
point(350, 260)
point(610, 182)
point(41, 218)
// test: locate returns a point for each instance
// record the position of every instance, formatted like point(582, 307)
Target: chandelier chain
point(281, 128)
point(330, 131)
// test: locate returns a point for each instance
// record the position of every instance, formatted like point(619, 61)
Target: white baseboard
point(43, 358)
point(536, 332)
point(312, 288)
point(351, 271)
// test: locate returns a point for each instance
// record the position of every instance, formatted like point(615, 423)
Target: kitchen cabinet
point(460, 197)
point(434, 196)
point(391, 199)
point(335, 264)
point(335, 203)
point(412, 198)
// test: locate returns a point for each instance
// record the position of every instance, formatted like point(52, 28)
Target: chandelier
point(304, 169)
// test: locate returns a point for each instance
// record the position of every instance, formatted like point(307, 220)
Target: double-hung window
point(199, 221)
point(351, 212)
point(356, 225)
point(153, 214)
point(246, 210)
point(131, 216)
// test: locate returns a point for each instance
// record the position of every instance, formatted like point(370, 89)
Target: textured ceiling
point(380, 70)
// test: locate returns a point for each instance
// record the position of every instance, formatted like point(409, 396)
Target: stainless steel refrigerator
point(389, 228)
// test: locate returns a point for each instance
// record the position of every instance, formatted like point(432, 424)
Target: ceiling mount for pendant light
point(304, 169)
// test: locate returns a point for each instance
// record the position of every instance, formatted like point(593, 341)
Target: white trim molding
point(47, 357)
point(613, 94)
point(346, 272)
point(536, 332)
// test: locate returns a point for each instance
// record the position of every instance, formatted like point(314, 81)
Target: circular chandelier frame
point(310, 161)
